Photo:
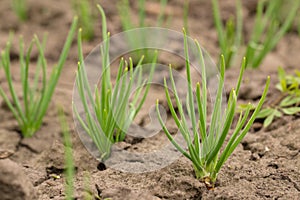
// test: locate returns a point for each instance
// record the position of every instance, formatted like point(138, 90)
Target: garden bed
point(264, 166)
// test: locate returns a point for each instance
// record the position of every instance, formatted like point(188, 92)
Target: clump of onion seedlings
point(109, 112)
point(36, 96)
point(206, 145)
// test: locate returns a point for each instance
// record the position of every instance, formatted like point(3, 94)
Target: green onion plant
point(298, 28)
point(186, 16)
point(288, 103)
point(125, 11)
point(36, 97)
point(230, 35)
point(69, 163)
point(110, 103)
point(267, 30)
point(86, 19)
point(206, 144)
point(20, 8)
point(135, 41)
point(70, 166)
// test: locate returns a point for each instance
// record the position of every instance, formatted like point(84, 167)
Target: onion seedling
point(20, 8)
point(230, 36)
point(186, 15)
point(69, 163)
point(136, 41)
point(36, 97)
point(108, 114)
point(206, 149)
point(69, 166)
point(267, 30)
point(86, 19)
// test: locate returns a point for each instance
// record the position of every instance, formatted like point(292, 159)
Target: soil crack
point(285, 177)
point(27, 147)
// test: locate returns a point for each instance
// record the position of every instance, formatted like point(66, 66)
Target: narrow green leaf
point(227, 124)
point(240, 124)
point(57, 70)
point(169, 135)
point(217, 108)
point(251, 120)
point(153, 66)
point(190, 99)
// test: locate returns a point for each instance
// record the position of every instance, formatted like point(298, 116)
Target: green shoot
point(186, 16)
point(289, 83)
point(230, 36)
point(288, 103)
point(69, 163)
point(267, 30)
point(205, 149)
point(111, 104)
point(135, 41)
point(298, 28)
point(36, 97)
point(20, 8)
point(88, 195)
point(125, 11)
point(86, 20)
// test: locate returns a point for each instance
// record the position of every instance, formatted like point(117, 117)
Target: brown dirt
point(265, 166)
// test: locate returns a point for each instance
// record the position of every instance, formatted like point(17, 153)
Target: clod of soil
point(14, 182)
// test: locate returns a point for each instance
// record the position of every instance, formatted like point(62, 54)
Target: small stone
point(254, 157)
